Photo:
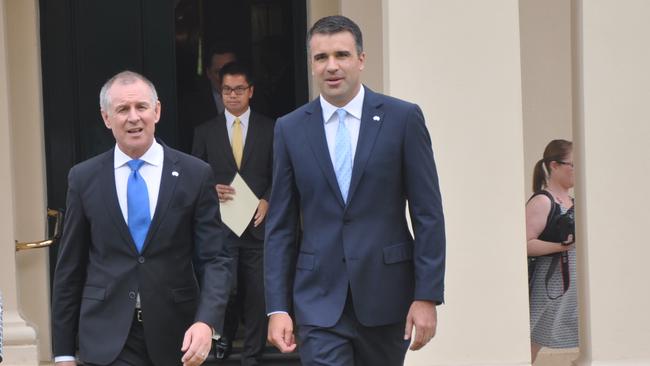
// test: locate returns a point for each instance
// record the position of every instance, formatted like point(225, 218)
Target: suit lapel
point(111, 202)
point(223, 141)
point(372, 118)
point(167, 187)
point(315, 130)
point(252, 134)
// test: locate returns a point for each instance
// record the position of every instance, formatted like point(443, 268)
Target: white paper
point(238, 212)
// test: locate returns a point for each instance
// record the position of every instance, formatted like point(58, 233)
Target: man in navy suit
point(345, 165)
point(141, 220)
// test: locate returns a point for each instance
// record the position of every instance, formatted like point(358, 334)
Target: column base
point(632, 362)
point(19, 342)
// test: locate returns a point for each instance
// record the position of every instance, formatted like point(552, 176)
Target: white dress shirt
point(352, 122)
point(230, 123)
point(151, 172)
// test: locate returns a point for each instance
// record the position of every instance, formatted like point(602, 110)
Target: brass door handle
point(47, 242)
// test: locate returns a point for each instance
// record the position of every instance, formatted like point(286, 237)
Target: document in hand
point(238, 212)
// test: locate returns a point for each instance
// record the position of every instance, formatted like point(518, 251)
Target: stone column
point(460, 61)
point(20, 338)
point(612, 130)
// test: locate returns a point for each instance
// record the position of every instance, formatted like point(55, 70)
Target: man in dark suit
point(207, 102)
point(136, 217)
point(241, 141)
point(345, 166)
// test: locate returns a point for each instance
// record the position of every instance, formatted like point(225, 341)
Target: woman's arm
point(537, 211)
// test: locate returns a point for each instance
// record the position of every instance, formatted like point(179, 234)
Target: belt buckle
point(138, 315)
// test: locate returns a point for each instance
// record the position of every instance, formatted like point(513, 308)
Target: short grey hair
point(124, 78)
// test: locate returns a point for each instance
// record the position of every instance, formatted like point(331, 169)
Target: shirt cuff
point(277, 312)
point(64, 358)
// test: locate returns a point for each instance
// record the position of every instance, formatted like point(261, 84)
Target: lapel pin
point(376, 118)
point(175, 173)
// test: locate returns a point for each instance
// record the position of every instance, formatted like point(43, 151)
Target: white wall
point(546, 77)
point(613, 129)
point(460, 61)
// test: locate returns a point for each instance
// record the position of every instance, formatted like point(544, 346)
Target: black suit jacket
point(99, 271)
point(211, 143)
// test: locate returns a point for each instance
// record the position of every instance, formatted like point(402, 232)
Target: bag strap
point(554, 206)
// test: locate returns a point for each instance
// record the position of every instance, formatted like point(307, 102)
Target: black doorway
point(267, 35)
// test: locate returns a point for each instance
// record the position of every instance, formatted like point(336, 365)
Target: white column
point(368, 15)
point(19, 338)
point(546, 77)
point(460, 61)
point(613, 134)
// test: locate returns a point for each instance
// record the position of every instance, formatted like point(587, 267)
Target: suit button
point(131, 294)
point(346, 221)
point(343, 259)
point(140, 259)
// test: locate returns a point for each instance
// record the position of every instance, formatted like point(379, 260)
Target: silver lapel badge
point(175, 173)
point(376, 118)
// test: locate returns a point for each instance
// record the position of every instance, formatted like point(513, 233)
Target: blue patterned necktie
point(137, 198)
point(343, 155)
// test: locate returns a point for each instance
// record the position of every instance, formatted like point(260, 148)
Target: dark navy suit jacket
point(99, 271)
point(363, 244)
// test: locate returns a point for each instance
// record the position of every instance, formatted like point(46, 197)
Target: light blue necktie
point(343, 155)
point(137, 198)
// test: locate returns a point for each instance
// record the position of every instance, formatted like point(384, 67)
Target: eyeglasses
point(569, 163)
point(240, 90)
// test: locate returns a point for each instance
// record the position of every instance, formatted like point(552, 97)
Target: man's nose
point(332, 64)
point(133, 115)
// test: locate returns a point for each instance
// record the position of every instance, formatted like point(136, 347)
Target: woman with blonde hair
point(550, 236)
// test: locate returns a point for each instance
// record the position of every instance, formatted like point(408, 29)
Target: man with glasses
point(241, 141)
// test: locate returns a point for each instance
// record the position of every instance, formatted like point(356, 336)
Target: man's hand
point(423, 316)
point(281, 332)
point(196, 344)
point(66, 363)
point(260, 214)
point(226, 193)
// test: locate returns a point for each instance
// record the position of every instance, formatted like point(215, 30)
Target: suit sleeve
point(212, 259)
point(70, 272)
point(425, 209)
point(281, 229)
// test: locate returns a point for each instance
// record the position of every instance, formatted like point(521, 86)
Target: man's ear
point(158, 109)
point(107, 122)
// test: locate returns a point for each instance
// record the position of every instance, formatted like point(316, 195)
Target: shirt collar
point(154, 155)
point(230, 118)
point(354, 107)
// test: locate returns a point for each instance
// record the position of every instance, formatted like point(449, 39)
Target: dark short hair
point(236, 68)
point(336, 24)
point(217, 49)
